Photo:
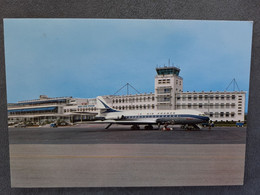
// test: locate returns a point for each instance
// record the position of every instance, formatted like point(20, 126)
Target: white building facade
point(219, 106)
point(168, 95)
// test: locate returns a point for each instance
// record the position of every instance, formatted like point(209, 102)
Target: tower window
point(167, 90)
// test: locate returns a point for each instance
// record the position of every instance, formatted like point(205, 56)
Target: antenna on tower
point(127, 85)
point(234, 85)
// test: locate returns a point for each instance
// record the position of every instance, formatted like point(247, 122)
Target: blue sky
point(90, 57)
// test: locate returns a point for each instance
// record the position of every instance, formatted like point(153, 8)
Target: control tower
point(167, 84)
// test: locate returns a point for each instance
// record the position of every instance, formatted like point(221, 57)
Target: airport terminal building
point(168, 94)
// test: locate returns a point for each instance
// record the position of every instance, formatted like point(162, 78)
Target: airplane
point(188, 118)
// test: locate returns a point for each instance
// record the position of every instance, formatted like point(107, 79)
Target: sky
point(85, 58)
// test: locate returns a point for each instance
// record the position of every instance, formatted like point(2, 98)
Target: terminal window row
point(81, 109)
point(206, 97)
point(163, 99)
point(33, 112)
point(165, 90)
point(163, 81)
point(221, 114)
point(167, 81)
point(206, 106)
point(132, 100)
point(39, 103)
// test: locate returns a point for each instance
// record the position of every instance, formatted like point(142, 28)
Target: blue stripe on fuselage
point(204, 118)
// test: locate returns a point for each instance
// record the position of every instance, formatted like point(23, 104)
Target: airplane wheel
point(148, 127)
point(135, 127)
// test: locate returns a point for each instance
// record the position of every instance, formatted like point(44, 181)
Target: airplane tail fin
point(102, 105)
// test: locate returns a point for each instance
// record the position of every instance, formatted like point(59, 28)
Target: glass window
point(167, 90)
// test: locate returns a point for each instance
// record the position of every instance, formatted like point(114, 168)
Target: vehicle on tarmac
point(188, 118)
point(207, 124)
point(20, 125)
point(240, 124)
point(53, 125)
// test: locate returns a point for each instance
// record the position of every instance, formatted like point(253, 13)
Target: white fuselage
point(157, 116)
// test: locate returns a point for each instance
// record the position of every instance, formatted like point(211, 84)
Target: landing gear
point(166, 128)
point(187, 127)
point(108, 126)
point(135, 127)
point(148, 127)
point(191, 127)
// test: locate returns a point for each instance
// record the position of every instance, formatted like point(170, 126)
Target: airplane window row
point(151, 116)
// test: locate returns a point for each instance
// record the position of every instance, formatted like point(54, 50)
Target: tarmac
point(97, 134)
point(91, 156)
